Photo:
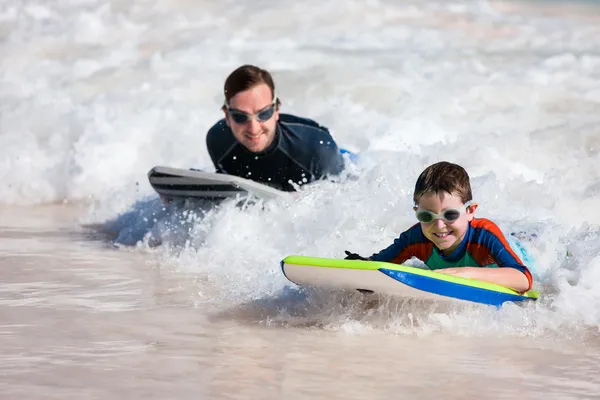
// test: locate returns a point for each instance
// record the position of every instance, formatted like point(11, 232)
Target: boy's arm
point(512, 271)
point(492, 247)
point(411, 243)
point(391, 252)
point(507, 277)
point(388, 254)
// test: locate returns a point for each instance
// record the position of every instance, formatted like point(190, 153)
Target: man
point(256, 142)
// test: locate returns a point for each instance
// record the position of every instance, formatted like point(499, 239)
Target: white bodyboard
point(175, 182)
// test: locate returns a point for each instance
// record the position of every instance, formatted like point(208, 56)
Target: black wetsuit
point(302, 152)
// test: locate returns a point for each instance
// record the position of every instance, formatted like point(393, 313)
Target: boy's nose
point(439, 223)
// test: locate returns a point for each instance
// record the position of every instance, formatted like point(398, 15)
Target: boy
point(449, 239)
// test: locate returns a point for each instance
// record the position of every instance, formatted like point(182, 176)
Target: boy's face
point(445, 235)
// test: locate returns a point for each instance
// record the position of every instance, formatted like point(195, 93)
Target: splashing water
point(94, 94)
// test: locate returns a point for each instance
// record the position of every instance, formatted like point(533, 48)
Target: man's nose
point(254, 126)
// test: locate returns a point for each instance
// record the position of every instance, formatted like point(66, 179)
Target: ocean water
point(104, 292)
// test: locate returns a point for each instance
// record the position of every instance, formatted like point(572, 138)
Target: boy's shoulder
point(484, 228)
point(415, 234)
point(485, 224)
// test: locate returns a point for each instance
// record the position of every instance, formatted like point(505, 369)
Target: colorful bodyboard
point(396, 280)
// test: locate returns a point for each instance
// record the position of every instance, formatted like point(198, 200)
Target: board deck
point(396, 280)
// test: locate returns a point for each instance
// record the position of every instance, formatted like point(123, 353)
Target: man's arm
point(217, 139)
point(329, 160)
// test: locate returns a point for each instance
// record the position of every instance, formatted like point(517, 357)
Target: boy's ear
point(471, 210)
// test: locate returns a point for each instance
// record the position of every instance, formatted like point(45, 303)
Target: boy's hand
point(353, 256)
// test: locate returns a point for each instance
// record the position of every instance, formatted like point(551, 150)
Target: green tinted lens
point(451, 215)
point(425, 216)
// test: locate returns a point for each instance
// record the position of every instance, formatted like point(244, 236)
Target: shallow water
point(80, 320)
point(94, 94)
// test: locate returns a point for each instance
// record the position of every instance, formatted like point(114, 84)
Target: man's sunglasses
point(450, 215)
point(240, 117)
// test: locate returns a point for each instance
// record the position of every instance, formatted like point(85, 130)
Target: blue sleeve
point(501, 252)
point(390, 252)
point(410, 243)
point(489, 236)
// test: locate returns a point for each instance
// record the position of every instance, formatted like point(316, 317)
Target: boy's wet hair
point(444, 177)
point(246, 77)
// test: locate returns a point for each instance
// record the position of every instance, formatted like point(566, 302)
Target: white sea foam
point(94, 94)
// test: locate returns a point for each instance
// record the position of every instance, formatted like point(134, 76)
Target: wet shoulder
point(483, 227)
point(219, 139)
point(218, 131)
point(415, 235)
point(294, 120)
point(305, 136)
point(487, 233)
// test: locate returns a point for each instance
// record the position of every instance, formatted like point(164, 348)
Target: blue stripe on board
point(450, 289)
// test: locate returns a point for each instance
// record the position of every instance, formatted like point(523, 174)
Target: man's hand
point(164, 200)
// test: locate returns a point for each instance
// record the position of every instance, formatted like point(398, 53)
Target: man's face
point(247, 117)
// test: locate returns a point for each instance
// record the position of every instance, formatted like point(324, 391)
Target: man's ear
point(226, 116)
